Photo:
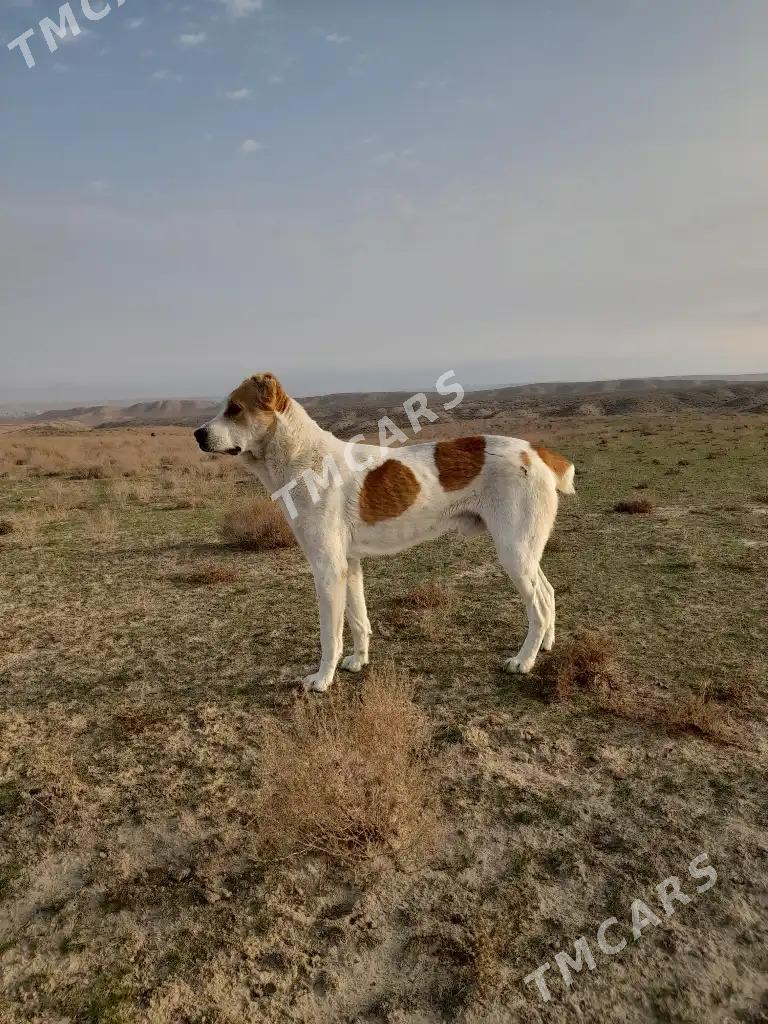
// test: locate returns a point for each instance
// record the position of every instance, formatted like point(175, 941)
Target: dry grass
point(350, 777)
point(147, 874)
point(103, 527)
point(743, 692)
point(136, 491)
point(256, 524)
point(24, 528)
point(584, 663)
point(634, 506)
point(207, 575)
point(29, 453)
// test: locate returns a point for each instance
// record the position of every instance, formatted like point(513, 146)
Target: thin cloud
point(70, 37)
point(251, 146)
point(239, 94)
point(192, 38)
point(392, 156)
point(336, 37)
point(135, 23)
point(242, 8)
point(430, 82)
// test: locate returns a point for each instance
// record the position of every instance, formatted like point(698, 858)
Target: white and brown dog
point(381, 501)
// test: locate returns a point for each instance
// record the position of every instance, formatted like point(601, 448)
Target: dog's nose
point(201, 436)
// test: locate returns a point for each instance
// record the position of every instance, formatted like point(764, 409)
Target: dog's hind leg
point(520, 524)
point(524, 573)
point(357, 618)
point(330, 585)
point(549, 637)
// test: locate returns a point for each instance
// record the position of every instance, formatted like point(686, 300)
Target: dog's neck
point(289, 447)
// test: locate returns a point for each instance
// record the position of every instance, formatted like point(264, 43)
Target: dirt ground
point(143, 661)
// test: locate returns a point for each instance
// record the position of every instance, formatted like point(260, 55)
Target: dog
point(363, 500)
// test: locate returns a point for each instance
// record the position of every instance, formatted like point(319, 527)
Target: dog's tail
point(563, 470)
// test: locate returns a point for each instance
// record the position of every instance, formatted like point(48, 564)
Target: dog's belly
point(399, 535)
point(390, 537)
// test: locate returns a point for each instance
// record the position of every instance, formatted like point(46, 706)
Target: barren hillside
point(356, 410)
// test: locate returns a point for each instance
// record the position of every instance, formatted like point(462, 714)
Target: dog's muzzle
point(201, 436)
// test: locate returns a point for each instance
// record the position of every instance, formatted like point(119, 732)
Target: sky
point(359, 194)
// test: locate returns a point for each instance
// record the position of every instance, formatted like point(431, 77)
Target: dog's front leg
point(357, 617)
point(331, 588)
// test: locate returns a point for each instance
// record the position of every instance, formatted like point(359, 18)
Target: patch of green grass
point(10, 797)
point(105, 1001)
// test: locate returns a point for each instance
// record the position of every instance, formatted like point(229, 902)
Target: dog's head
point(248, 417)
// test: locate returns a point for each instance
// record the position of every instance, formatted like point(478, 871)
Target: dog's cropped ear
point(263, 391)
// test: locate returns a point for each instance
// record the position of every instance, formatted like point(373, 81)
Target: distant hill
point(165, 410)
point(350, 411)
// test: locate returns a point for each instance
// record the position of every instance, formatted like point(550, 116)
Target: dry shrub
point(697, 713)
point(634, 506)
point(256, 524)
point(701, 715)
point(429, 595)
point(584, 662)
point(62, 497)
point(6, 527)
point(350, 776)
point(425, 607)
point(94, 471)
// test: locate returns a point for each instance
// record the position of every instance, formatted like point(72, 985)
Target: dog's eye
point(233, 409)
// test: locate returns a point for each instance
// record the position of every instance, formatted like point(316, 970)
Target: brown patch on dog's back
point(388, 491)
point(458, 462)
point(557, 463)
point(261, 393)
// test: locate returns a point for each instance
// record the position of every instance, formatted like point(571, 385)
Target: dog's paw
point(315, 683)
point(517, 666)
point(354, 663)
